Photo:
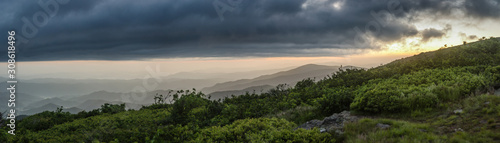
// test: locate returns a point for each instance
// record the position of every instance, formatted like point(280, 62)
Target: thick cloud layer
point(132, 30)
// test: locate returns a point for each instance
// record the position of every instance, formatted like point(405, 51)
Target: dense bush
point(45, 120)
point(415, 84)
point(418, 90)
point(129, 126)
point(112, 109)
point(192, 107)
point(298, 115)
point(261, 130)
point(334, 100)
point(366, 130)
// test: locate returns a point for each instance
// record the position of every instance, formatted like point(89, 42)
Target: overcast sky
point(117, 30)
point(131, 29)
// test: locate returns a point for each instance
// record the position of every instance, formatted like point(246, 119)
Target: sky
point(121, 38)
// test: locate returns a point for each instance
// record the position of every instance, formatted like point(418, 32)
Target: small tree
point(158, 99)
point(1, 119)
point(59, 109)
point(110, 108)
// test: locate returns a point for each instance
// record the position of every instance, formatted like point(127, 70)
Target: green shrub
point(366, 130)
point(422, 100)
point(299, 114)
point(261, 130)
point(44, 120)
point(334, 100)
point(416, 91)
point(112, 109)
point(445, 93)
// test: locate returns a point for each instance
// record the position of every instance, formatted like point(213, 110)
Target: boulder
point(311, 124)
point(458, 111)
point(334, 123)
point(383, 126)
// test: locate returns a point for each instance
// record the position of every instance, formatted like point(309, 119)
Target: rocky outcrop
point(383, 126)
point(334, 123)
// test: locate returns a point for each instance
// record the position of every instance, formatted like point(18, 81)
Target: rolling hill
point(254, 89)
point(55, 100)
point(92, 104)
point(289, 77)
point(46, 107)
point(437, 96)
point(23, 99)
point(68, 88)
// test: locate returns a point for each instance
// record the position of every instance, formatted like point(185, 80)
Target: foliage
point(366, 130)
point(298, 115)
point(334, 100)
point(129, 126)
point(45, 120)
point(261, 130)
point(112, 109)
point(418, 90)
point(424, 88)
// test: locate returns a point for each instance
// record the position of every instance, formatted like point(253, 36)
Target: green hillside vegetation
point(417, 96)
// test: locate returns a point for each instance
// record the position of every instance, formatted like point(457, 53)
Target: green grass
point(416, 96)
point(400, 131)
point(128, 126)
point(479, 122)
point(300, 114)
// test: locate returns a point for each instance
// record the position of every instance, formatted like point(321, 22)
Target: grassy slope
point(479, 122)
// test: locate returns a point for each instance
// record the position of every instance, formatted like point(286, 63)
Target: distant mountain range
point(46, 107)
point(92, 93)
point(254, 89)
point(289, 77)
point(55, 100)
point(69, 88)
point(22, 100)
point(228, 76)
point(50, 87)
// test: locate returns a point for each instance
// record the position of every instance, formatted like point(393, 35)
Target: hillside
point(26, 98)
point(54, 87)
point(46, 107)
point(54, 100)
point(227, 76)
point(446, 95)
point(92, 104)
point(289, 77)
point(254, 89)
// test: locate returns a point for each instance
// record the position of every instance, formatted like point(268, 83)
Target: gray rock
point(322, 130)
point(459, 130)
point(310, 124)
point(333, 123)
point(483, 121)
point(458, 111)
point(486, 103)
point(383, 126)
point(339, 132)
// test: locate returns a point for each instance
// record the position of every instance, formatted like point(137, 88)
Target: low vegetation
point(440, 96)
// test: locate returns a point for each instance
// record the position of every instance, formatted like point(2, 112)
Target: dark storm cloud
point(472, 8)
point(466, 37)
point(432, 33)
point(429, 33)
point(483, 8)
point(129, 29)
